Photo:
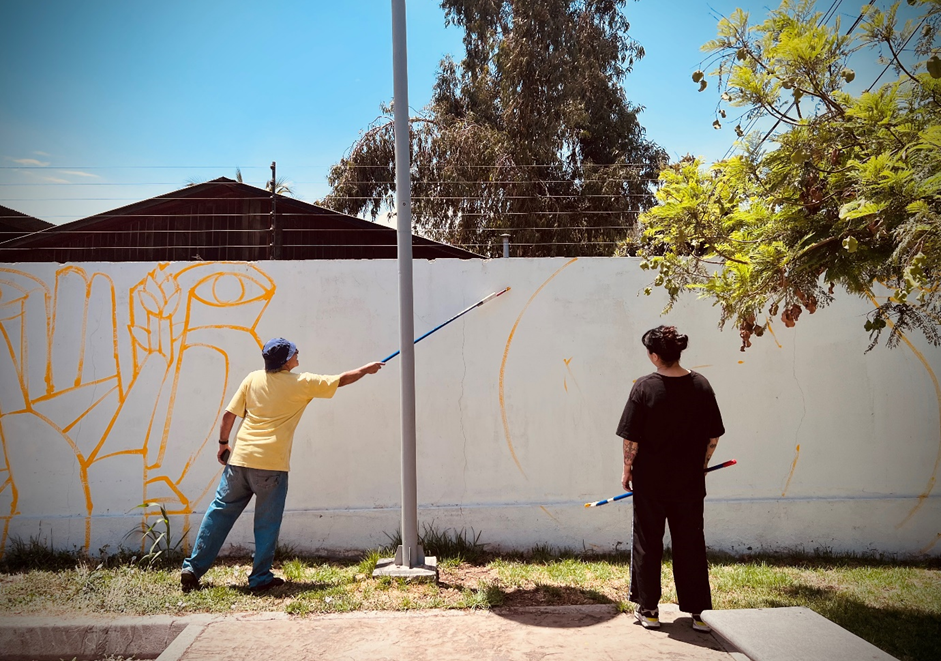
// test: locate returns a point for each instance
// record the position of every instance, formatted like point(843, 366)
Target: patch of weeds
point(34, 554)
point(285, 552)
point(514, 573)
point(329, 574)
point(368, 563)
point(542, 553)
point(294, 569)
point(157, 539)
point(624, 607)
point(400, 583)
point(452, 544)
point(449, 543)
point(486, 595)
point(449, 563)
point(298, 607)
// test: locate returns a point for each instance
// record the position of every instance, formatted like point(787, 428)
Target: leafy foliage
point(530, 134)
point(847, 194)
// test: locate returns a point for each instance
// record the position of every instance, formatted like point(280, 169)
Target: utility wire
point(295, 167)
point(824, 19)
point(889, 65)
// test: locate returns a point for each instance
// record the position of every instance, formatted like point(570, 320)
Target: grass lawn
point(895, 606)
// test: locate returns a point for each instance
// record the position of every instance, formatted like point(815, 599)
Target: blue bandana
point(277, 351)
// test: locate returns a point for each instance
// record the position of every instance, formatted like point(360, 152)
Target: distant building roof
point(218, 220)
point(14, 224)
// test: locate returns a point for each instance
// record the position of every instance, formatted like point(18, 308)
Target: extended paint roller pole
point(459, 314)
point(728, 463)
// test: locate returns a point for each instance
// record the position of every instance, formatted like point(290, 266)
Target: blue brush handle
point(440, 326)
point(726, 464)
point(611, 500)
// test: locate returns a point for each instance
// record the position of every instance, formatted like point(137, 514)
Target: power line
point(351, 183)
point(52, 168)
point(302, 245)
point(75, 232)
point(826, 17)
point(314, 215)
point(889, 65)
point(332, 197)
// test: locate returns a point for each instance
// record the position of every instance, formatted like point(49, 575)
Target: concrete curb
point(53, 638)
point(181, 643)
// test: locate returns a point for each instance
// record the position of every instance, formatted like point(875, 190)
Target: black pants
point(690, 570)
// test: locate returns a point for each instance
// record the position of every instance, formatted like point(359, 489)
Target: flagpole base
point(427, 572)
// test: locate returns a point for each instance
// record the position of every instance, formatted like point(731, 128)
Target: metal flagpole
point(409, 554)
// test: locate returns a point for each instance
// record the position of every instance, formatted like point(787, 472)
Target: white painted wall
point(518, 403)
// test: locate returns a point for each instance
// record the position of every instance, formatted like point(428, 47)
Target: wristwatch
point(223, 441)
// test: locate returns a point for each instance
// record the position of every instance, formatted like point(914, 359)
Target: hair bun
point(665, 342)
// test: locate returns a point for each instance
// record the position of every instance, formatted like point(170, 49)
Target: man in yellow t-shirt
point(270, 403)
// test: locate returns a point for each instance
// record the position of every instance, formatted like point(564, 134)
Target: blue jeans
point(236, 488)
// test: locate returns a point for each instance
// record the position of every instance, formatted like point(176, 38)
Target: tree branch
point(901, 66)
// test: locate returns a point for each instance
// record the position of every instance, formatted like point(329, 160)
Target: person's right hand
point(626, 478)
point(222, 449)
point(372, 368)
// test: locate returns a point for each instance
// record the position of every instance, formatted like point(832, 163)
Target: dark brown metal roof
point(14, 224)
point(219, 220)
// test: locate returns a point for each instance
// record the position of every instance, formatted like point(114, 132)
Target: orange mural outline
point(797, 453)
point(930, 545)
point(83, 473)
point(61, 273)
point(506, 353)
point(114, 328)
point(542, 507)
point(221, 406)
point(175, 489)
point(92, 406)
point(119, 453)
point(14, 494)
point(923, 497)
point(47, 302)
point(19, 372)
point(46, 398)
point(156, 332)
point(771, 330)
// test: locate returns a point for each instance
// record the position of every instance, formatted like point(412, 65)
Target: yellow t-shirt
point(270, 405)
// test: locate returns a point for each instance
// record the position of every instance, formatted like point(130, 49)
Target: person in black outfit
point(670, 428)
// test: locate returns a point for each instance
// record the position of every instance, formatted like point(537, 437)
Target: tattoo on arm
point(630, 451)
point(713, 442)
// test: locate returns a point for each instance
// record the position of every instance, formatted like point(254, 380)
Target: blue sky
point(130, 100)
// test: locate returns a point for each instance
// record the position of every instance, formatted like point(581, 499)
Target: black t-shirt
point(671, 418)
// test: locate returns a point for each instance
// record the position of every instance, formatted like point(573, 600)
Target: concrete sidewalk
point(527, 634)
point(506, 634)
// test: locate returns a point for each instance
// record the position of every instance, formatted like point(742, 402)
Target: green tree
point(530, 134)
point(845, 194)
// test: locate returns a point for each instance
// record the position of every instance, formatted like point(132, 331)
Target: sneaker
point(648, 619)
point(699, 624)
point(188, 581)
point(273, 583)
